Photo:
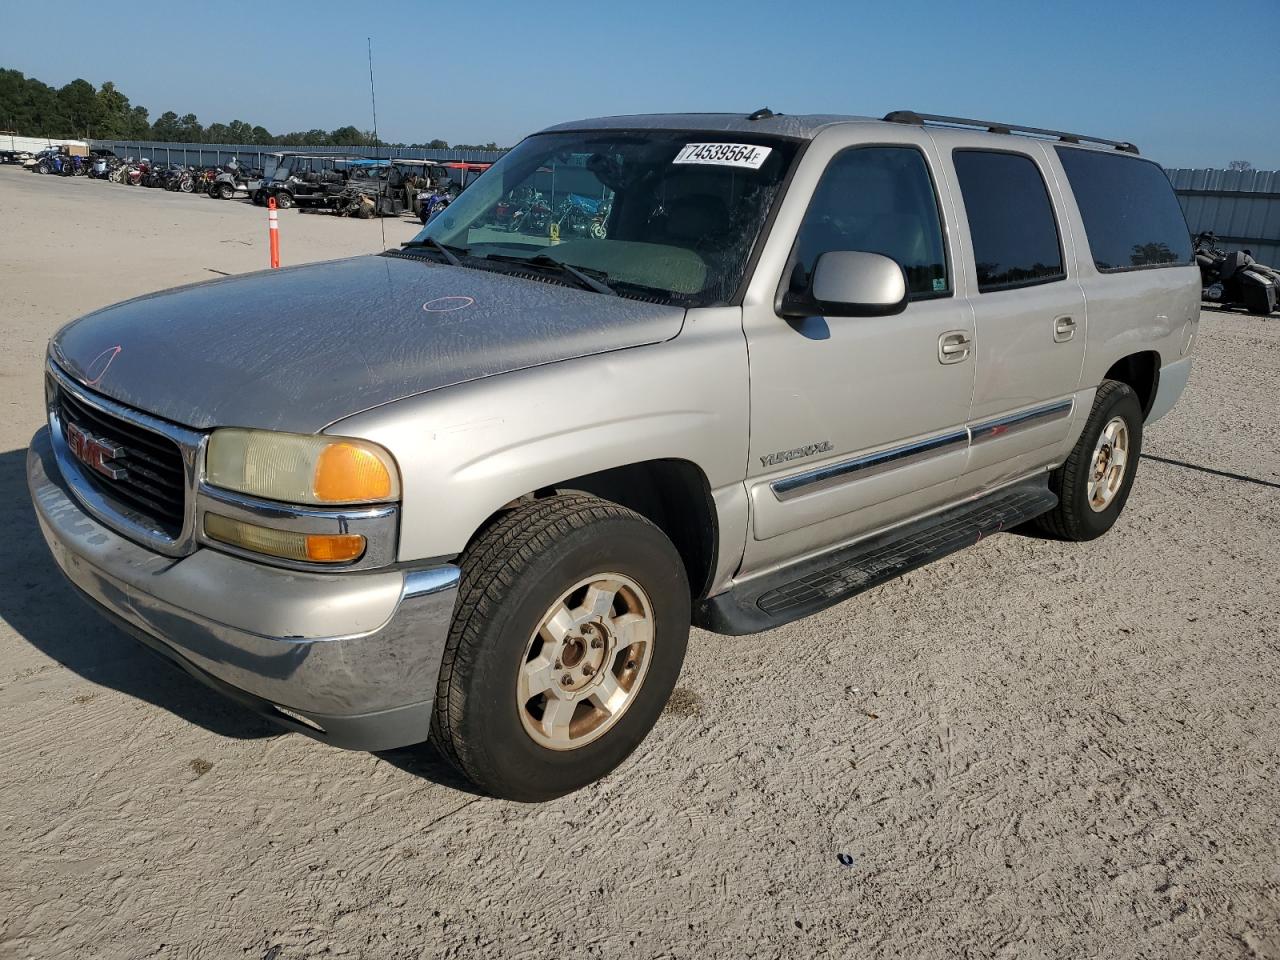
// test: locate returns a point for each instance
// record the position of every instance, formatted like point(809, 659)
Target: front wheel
point(226, 191)
point(568, 636)
point(284, 200)
point(1094, 482)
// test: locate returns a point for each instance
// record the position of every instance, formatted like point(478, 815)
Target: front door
point(856, 422)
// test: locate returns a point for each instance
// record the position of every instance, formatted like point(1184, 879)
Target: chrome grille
point(151, 481)
point(134, 472)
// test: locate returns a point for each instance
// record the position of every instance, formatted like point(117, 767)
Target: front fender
point(466, 451)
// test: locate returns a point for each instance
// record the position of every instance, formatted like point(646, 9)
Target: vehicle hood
point(299, 348)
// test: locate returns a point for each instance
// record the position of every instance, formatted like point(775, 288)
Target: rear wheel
point(1093, 483)
point(568, 635)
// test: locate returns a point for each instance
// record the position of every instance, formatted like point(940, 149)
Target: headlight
point(297, 468)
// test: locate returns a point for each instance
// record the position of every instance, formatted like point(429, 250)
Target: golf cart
point(233, 181)
point(301, 179)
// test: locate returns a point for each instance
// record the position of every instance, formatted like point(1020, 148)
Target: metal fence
point(256, 154)
point(1241, 206)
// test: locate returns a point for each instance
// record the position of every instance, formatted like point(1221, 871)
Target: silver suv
point(725, 371)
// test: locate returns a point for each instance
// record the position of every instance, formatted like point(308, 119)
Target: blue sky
point(1159, 74)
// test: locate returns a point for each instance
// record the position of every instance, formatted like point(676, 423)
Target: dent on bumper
point(356, 655)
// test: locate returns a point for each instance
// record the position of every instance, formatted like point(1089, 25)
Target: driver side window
point(876, 200)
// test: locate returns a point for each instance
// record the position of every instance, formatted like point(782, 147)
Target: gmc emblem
point(93, 453)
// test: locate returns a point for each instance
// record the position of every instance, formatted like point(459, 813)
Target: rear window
point(1011, 221)
point(1131, 216)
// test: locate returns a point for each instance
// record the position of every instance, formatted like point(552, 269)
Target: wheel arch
point(1141, 371)
point(671, 493)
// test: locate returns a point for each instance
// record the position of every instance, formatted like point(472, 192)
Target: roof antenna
point(764, 113)
point(373, 100)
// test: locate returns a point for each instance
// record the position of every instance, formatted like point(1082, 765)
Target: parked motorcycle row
point(139, 173)
point(1234, 279)
point(527, 211)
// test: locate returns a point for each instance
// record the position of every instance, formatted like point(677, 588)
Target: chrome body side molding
point(872, 464)
point(1017, 422)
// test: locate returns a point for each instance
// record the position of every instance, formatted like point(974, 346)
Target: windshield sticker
point(745, 155)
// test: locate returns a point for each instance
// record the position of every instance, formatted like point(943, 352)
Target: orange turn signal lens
point(348, 473)
point(334, 547)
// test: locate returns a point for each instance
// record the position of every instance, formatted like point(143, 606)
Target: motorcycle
point(530, 214)
point(138, 172)
point(583, 216)
point(1235, 279)
point(432, 202)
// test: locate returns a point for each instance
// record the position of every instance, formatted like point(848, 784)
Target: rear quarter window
point(1131, 217)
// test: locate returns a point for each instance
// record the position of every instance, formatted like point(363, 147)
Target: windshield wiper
point(585, 281)
point(436, 245)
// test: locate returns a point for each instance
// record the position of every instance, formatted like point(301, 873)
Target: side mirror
point(850, 283)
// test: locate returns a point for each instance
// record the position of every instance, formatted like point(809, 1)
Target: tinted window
point(1131, 216)
point(876, 200)
point(1015, 235)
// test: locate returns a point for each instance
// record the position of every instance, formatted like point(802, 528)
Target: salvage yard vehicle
point(1234, 279)
point(384, 187)
point(234, 181)
point(477, 489)
point(300, 179)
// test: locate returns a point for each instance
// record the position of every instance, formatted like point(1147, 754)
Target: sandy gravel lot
point(1029, 750)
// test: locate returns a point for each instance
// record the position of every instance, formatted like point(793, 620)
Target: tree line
point(79, 110)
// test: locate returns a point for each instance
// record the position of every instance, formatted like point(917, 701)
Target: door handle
point(1064, 328)
point(953, 346)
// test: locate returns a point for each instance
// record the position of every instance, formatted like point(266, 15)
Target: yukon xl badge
point(799, 453)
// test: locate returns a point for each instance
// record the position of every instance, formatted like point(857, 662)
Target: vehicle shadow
point(427, 762)
point(42, 608)
point(45, 611)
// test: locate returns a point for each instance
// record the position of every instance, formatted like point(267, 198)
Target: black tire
point(511, 575)
point(1074, 518)
point(226, 191)
point(284, 200)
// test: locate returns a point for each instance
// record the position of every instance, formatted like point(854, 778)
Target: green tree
point(261, 135)
point(138, 126)
point(113, 112)
point(79, 103)
point(347, 136)
point(166, 127)
point(238, 132)
point(189, 129)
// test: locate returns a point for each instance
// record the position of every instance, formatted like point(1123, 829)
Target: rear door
point(856, 422)
point(1028, 308)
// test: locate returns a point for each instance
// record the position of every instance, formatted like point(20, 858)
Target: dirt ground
point(1029, 750)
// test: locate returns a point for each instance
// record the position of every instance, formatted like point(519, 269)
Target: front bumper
point(350, 659)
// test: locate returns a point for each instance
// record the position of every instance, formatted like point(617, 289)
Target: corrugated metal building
point(1241, 206)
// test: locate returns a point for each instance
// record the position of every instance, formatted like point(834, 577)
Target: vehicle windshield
point(653, 213)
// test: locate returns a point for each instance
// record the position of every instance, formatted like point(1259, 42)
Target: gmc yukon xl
point(476, 490)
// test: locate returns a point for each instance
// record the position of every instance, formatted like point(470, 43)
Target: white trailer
point(15, 149)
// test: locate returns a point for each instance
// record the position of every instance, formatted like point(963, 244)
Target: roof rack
point(920, 119)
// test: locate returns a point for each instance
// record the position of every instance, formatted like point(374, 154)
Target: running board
point(823, 581)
